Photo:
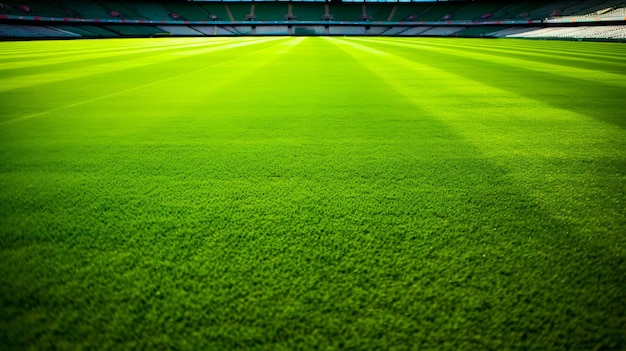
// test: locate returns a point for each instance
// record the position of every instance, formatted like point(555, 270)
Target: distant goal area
point(71, 19)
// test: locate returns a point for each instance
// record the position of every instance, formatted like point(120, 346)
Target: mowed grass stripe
point(311, 193)
point(68, 71)
point(564, 92)
point(527, 157)
point(594, 51)
point(12, 51)
point(500, 175)
point(525, 130)
point(552, 60)
point(588, 73)
point(107, 112)
point(423, 73)
point(46, 58)
point(17, 100)
point(601, 49)
point(611, 63)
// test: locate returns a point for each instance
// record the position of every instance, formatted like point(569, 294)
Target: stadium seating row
point(615, 32)
point(17, 31)
point(579, 32)
point(278, 11)
point(371, 18)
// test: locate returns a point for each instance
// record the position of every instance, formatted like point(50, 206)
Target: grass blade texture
point(312, 193)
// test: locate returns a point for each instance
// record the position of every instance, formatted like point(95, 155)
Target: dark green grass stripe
point(561, 142)
point(594, 61)
point(605, 51)
point(571, 131)
point(615, 64)
point(592, 71)
point(564, 92)
point(543, 62)
point(561, 137)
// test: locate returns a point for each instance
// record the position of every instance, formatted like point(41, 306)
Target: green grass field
point(312, 193)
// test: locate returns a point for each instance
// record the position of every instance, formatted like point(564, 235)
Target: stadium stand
point(37, 8)
point(441, 12)
point(478, 11)
point(442, 31)
point(187, 12)
point(88, 31)
point(415, 31)
point(375, 30)
point(118, 10)
point(308, 11)
point(270, 11)
point(216, 30)
point(272, 30)
point(395, 30)
point(347, 30)
point(616, 12)
point(135, 30)
point(240, 11)
point(180, 30)
point(377, 12)
point(149, 10)
point(515, 11)
point(581, 32)
point(346, 12)
point(408, 12)
point(216, 11)
point(510, 32)
point(34, 32)
point(563, 19)
point(479, 31)
point(608, 9)
point(244, 30)
point(589, 7)
point(87, 9)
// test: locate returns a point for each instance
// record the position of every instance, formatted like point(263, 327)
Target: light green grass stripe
point(102, 52)
point(577, 73)
point(281, 42)
point(170, 54)
point(9, 53)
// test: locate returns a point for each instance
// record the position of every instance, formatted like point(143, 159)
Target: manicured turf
point(312, 193)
